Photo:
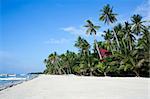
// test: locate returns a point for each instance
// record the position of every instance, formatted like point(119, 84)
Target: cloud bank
point(57, 41)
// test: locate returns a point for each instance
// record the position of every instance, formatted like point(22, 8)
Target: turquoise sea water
point(7, 80)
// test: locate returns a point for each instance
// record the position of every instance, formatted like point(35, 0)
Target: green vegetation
point(128, 42)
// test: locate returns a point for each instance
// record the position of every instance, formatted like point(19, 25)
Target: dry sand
point(77, 87)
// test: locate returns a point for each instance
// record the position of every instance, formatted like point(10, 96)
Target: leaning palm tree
point(107, 16)
point(92, 29)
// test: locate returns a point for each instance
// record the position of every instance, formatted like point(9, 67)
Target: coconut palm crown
point(107, 14)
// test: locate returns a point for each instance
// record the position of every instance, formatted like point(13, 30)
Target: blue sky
point(32, 29)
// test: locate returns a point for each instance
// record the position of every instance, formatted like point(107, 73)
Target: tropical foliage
point(127, 42)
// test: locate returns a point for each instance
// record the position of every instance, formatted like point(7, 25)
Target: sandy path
point(74, 87)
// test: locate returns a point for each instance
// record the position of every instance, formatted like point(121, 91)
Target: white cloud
point(143, 9)
point(81, 31)
point(57, 41)
point(74, 30)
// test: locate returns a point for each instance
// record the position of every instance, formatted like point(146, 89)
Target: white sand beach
point(78, 87)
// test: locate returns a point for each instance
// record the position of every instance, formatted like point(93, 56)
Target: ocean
point(8, 80)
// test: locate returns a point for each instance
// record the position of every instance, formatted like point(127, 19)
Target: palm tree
point(107, 16)
point(137, 24)
point(78, 43)
point(129, 36)
point(83, 45)
point(53, 64)
point(68, 60)
point(144, 48)
point(50, 68)
point(118, 30)
point(91, 63)
point(92, 29)
point(108, 37)
point(130, 61)
point(53, 57)
point(144, 41)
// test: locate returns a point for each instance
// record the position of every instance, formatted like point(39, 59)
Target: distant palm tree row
point(128, 43)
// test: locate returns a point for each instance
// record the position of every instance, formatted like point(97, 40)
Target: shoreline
point(10, 84)
point(16, 82)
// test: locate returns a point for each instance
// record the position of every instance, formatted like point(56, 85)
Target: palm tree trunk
point(111, 47)
point(91, 74)
point(130, 43)
point(105, 74)
point(137, 74)
point(115, 35)
point(64, 71)
point(70, 71)
point(100, 56)
point(59, 71)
